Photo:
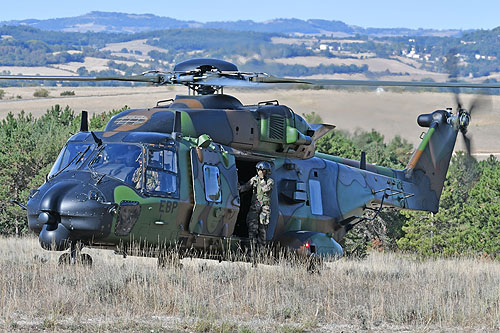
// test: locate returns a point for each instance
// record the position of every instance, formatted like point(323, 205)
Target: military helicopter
point(167, 176)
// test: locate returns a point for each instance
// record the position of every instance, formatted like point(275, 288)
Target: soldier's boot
point(262, 234)
point(261, 243)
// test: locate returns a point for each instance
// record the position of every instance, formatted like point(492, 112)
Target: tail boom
point(429, 164)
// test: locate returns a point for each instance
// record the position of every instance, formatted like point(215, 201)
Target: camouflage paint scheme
point(218, 141)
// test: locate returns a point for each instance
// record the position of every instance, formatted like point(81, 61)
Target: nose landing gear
point(75, 257)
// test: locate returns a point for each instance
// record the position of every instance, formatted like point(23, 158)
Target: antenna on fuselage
point(177, 125)
point(362, 162)
point(84, 124)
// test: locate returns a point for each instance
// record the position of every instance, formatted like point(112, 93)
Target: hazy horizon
point(458, 14)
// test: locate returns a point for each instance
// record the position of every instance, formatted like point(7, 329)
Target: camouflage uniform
point(137, 177)
point(260, 209)
point(152, 179)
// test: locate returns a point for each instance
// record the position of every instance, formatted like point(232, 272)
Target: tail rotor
point(464, 115)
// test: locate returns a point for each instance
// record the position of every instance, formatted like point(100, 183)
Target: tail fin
point(429, 164)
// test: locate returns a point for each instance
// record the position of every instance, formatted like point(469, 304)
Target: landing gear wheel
point(314, 265)
point(64, 259)
point(83, 259)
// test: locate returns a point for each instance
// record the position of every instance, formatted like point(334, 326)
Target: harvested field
point(390, 113)
point(91, 64)
point(35, 70)
point(385, 292)
point(374, 64)
point(134, 45)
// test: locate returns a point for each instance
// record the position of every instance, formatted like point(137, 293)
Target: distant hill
point(132, 23)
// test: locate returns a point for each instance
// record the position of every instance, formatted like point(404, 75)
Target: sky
point(435, 14)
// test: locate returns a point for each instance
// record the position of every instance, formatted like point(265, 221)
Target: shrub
point(68, 93)
point(41, 93)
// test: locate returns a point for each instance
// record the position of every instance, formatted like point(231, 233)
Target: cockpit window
point(315, 197)
point(124, 162)
point(120, 161)
point(71, 157)
point(161, 171)
point(169, 161)
point(212, 183)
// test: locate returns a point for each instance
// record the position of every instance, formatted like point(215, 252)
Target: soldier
point(260, 208)
point(152, 177)
point(137, 176)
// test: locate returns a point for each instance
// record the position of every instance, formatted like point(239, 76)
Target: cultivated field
point(135, 45)
point(385, 292)
point(390, 113)
point(374, 65)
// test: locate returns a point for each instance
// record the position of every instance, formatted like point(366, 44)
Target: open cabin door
point(216, 197)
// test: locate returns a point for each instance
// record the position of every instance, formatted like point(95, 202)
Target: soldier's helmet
point(264, 165)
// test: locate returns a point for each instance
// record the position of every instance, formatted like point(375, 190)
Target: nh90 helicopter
point(167, 176)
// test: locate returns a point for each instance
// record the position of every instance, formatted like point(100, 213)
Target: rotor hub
point(464, 120)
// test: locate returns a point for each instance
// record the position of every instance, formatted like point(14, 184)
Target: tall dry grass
point(385, 292)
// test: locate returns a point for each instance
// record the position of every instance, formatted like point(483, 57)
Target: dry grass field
point(390, 113)
point(385, 292)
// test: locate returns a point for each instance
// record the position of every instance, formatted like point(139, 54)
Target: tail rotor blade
point(457, 101)
point(467, 143)
point(482, 103)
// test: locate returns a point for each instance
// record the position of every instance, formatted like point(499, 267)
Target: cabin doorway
point(246, 170)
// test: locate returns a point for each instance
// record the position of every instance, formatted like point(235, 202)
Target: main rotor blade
point(467, 144)
point(251, 81)
point(275, 79)
point(376, 83)
point(135, 78)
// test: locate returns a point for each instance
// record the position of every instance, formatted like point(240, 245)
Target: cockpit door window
point(161, 172)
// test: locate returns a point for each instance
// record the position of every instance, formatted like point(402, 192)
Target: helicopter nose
point(70, 209)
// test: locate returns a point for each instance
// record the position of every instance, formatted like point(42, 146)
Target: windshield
point(119, 161)
point(71, 157)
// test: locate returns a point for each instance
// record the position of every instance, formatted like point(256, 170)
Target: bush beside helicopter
point(167, 176)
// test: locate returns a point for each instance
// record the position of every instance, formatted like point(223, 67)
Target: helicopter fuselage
point(168, 176)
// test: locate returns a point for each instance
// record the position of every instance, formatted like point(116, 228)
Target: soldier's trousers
point(257, 222)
